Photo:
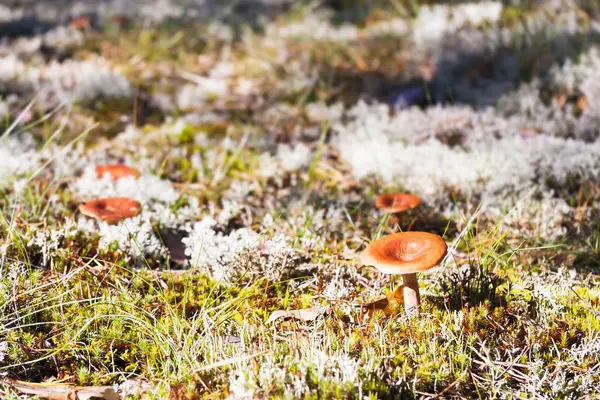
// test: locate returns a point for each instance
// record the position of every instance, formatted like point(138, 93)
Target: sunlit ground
point(262, 135)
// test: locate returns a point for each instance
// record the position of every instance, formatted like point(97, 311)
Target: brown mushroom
point(406, 253)
point(396, 203)
point(111, 209)
point(116, 171)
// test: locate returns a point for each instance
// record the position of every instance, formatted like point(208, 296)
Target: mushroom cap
point(405, 252)
point(111, 209)
point(397, 202)
point(116, 171)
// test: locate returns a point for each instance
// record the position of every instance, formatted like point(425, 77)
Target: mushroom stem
point(412, 298)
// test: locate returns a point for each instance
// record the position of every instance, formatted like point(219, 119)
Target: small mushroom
point(396, 203)
point(111, 209)
point(116, 171)
point(406, 253)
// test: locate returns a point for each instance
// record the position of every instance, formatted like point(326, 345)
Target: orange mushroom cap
point(397, 202)
point(111, 209)
point(116, 171)
point(405, 252)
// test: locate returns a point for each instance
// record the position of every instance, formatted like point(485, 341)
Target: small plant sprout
point(396, 203)
point(111, 209)
point(406, 253)
point(116, 171)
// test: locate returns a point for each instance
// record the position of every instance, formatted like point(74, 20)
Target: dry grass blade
point(305, 314)
point(229, 361)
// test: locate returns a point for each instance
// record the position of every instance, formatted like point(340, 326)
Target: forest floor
point(263, 134)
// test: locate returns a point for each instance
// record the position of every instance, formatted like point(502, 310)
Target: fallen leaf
point(397, 295)
point(56, 391)
point(381, 304)
point(388, 305)
point(306, 314)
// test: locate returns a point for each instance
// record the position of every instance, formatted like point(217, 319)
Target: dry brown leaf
point(397, 295)
point(306, 314)
point(388, 305)
point(57, 391)
point(381, 304)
